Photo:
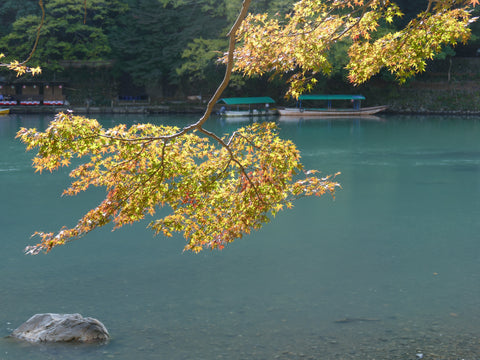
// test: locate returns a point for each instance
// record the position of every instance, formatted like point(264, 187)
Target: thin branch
point(362, 8)
point(235, 134)
point(339, 36)
point(162, 164)
point(234, 159)
point(429, 6)
point(20, 67)
point(37, 38)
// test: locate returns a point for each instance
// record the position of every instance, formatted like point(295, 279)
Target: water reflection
point(330, 119)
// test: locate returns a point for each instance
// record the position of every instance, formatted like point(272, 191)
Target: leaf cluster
point(217, 189)
point(404, 53)
point(298, 44)
point(20, 68)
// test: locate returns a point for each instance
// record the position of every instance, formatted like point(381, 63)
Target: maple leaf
point(474, 2)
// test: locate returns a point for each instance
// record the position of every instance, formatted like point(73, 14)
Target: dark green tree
point(150, 45)
point(70, 32)
point(11, 10)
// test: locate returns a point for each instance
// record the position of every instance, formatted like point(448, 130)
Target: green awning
point(331, 97)
point(247, 100)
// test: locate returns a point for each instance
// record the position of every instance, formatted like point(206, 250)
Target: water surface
point(388, 269)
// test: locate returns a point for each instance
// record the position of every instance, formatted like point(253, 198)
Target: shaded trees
point(151, 38)
point(10, 10)
point(67, 33)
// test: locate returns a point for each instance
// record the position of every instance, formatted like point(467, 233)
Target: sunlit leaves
point(20, 68)
point(405, 53)
point(298, 44)
point(216, 191)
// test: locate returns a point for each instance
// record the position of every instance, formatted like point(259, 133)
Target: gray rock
point(61, 328)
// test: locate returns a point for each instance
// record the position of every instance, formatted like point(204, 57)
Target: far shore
point(144, 109)
point(187, 108)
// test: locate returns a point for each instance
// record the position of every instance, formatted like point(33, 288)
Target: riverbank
point(180, 108)
point(186, 109)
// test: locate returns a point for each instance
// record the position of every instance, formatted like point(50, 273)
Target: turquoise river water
point(390, 269)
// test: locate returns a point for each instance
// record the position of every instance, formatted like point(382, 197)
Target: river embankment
point(407, 109)
point(450, 87)
point(179, 108)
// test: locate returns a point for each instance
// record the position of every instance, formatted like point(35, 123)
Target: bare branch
point(37, 38)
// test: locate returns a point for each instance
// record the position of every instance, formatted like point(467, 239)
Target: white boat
point(328, 111)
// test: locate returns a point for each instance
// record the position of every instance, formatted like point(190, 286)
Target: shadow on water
point(398, 246)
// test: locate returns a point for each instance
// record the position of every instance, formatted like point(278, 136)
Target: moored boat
point(236, 113)
point(355, 110)
point(4, 111)
point(246, 106)
point(332, 112)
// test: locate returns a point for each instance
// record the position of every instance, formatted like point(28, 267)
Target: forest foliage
point(175, 44)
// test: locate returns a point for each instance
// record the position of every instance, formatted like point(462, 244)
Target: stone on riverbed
point(61, 328)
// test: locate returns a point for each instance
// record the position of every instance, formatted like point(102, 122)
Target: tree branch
point(216, 96)
point(20, 67)
point(235, 160)
point(37, 38)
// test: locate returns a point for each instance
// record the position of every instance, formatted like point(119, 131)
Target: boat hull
point(236, 113)
point(4, 111)
point(246, 113)
point(331, 112)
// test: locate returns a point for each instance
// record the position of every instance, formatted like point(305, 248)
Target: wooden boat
point(346, 118)
point(236, 119)
point(327, 111)
point(246, 106)
point(331, 112)
point(4, 111)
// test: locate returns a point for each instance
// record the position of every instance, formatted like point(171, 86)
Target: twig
point(235, 160)
point(37, 38)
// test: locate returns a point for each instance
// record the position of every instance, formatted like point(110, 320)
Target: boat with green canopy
point(246, 106)
point(326, 109)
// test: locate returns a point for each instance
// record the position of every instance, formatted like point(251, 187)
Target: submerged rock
point(61, 328)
